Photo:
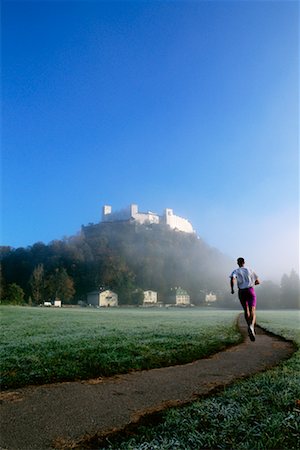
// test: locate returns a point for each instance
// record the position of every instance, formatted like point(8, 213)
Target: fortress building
point(131, 213)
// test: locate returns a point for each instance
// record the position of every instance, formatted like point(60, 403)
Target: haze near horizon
point(186, 105)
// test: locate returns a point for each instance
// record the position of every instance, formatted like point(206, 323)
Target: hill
point(123, 256)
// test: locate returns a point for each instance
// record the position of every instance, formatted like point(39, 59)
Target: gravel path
point(63, 414)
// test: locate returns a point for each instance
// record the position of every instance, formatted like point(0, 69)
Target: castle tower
point(169, 217)
point(106, 211)
point(133, 210)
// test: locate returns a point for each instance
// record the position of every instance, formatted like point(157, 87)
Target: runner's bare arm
point(232, 284)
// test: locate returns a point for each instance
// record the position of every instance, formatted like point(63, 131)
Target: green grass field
point(44, 345)
point(261, 413)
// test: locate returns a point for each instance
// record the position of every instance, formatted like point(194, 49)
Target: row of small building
point(107, 298)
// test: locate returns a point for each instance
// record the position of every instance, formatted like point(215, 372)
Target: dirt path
point(60, 414)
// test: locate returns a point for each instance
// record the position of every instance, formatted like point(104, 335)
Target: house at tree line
point(210, 298)
point(150, 298)
point(102, 298)
point(180, 297)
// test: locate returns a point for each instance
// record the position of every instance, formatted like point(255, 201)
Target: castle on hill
point(131, 213)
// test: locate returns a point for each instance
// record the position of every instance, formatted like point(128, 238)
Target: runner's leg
point(252, 315)
point(251, 330)
point(244, 304)
point(252, 306)
point(247, 313)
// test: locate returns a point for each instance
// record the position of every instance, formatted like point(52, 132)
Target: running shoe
point(251, 332)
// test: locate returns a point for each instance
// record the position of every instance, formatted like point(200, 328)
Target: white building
point(210, 298)
point(182, 297)
point(102, 298)
point(177, 222)
point(129, 213)
point(179, 297)
point(150, 298)
point(132, 213)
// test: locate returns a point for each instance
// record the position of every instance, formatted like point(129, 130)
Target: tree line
point(126, 258)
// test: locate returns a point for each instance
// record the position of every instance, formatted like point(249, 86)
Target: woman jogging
point(246, 279)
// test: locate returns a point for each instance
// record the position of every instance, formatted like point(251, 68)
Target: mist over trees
point(287, 295)
point(128, 258)
point(124, 257)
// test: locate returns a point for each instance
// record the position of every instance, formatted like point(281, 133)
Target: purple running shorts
point(247, 297)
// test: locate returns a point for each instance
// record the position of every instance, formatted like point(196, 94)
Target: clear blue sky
point(181, 104)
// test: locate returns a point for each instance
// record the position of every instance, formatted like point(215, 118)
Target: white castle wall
point(177, 223)
point(109, 216)
point(132, 213)
point(143, 217)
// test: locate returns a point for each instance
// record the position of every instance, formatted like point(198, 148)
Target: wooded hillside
point(125, 257)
